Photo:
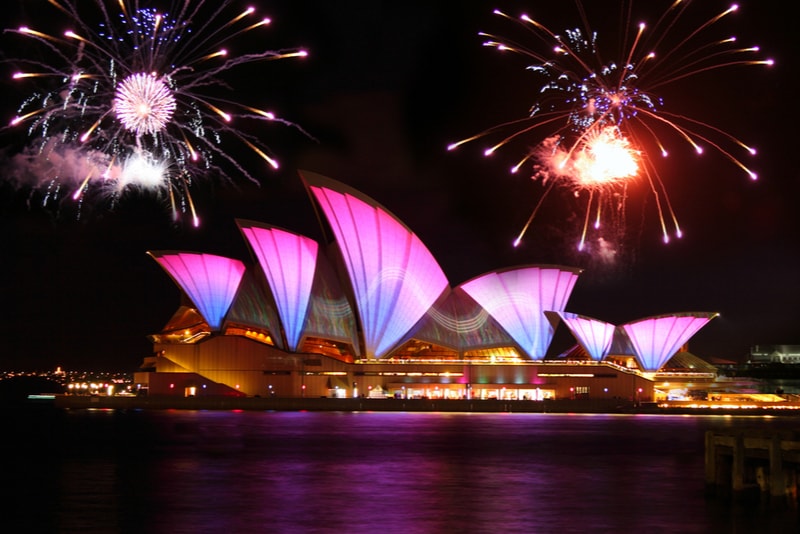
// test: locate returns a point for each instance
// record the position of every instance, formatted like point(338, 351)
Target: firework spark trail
point(137, 101)
point(582, 95)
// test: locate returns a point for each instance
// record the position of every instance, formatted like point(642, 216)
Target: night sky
point(387, 86)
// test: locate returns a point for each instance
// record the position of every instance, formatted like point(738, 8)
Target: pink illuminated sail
point(394, 277)
point(209, 281)
point(517, 298)
point(289, 262)
point(657, 339)
point(594, 336)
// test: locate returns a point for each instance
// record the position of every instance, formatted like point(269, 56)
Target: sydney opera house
point(371, 313)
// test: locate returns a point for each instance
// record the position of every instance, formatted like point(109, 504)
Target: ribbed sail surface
point(461, 324)
point(209, 281)
point(595, 336)
point(395, 278)
point(657, 339)
point(518, 298)
point(289, 261)
point(330, 315)
point(253, 307)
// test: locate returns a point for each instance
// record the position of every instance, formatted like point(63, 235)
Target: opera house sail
point(210, 281)
point(518, 299)
point(289, 262)
point(594, 336)
point(657, 339)
point(458, 323)
point(651, 341)
point(394, 277)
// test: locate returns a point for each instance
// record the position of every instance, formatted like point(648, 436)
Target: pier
point(743, 462)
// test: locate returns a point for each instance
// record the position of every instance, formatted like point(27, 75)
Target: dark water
point(241, 472)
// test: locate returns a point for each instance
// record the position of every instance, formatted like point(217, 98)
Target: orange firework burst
point(598, 113)
point(602, 161)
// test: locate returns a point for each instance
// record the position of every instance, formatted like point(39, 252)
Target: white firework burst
point(144, 104)
point(143, 85)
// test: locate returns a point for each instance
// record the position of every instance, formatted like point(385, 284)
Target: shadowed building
point(371, 313)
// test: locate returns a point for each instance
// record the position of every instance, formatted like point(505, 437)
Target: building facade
point(371, 313)
point(786, 354)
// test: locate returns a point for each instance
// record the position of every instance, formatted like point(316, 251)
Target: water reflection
point(391, 472)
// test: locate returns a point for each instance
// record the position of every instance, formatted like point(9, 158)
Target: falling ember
point(135, 100)
point(144, 104)
point(597, 122)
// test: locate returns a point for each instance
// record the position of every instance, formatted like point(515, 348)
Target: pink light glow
point(518, 298)
point(289, 263)
point(594, 336)
point(210, 281)
point(395, 278)
point(657, 339)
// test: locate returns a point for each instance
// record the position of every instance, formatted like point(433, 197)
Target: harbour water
point(170, 471)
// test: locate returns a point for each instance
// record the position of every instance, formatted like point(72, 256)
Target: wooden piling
point(777, 478)
point(742, 460)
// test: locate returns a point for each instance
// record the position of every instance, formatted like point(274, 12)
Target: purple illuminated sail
point(657, 339)
point(395, 278)
point(517, 299)
point(209, 281)
point(594, 336)
point(289, 261)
